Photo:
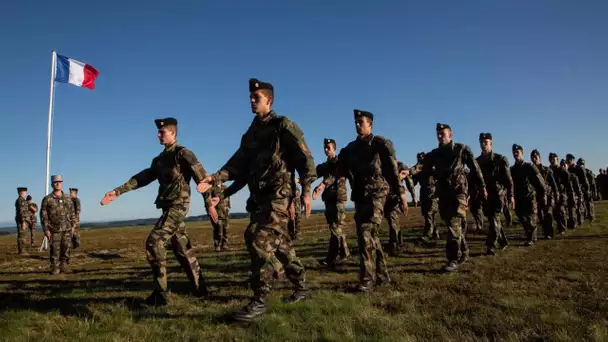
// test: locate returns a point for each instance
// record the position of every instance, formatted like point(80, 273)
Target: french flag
point(75, 72)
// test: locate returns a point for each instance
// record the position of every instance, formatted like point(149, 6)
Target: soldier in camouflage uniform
point(174, 167)
point(77, 208)
point(33, 215)
point(499, 184)
point(58, 223)
point(295, 213)
point(506, 211)
point(529, 187)
point(564, 190)
point(334, 197)
point(448, 161)
point(545, 214)
point(589, 206)
point(572, 205)
point(220, 227)
point(370, 166)
point(270, 151)
point(475, 202)
point(579, 172)
point(22, 218)
point(392, 210)
point(428, 198)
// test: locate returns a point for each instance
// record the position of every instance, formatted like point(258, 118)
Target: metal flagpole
point(48, 133)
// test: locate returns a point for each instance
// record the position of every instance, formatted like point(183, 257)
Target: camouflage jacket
point(22, 210)
point(409, 185)
point(76, 207)
point(576, 184)
point(271, 150)
point(496, 174)
point(223, 206)
point(550, 183)
point(174, 167)
point(581, 173)
point(427, 182)
point(297, 201)
point(562, 180)
point(591, 180)
point(335, 187)
point(57, 213)
point(33, 210)
point(370, 166)
point(446, 163)
point(527, 181)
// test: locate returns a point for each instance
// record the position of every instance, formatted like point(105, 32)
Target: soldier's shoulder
point(462, 146)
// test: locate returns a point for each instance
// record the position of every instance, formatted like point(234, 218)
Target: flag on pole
point(75, 72)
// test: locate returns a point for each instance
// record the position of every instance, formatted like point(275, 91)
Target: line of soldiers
point(60, 220)
point(273, 149)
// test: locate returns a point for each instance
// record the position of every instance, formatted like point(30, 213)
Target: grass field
point(554, 291)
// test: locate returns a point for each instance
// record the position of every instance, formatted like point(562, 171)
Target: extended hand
point(513, 203)
point(292, 211)
point(109, 197)
point(205, 184)
point(484, 193)
point(307, 201)
point(416, 203)
point(212, 214)
point(318, 190)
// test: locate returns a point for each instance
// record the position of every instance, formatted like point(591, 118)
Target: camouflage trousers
point(428, 208)
point(271, 242)
point(572, 208)
point(545, 217)
point(249, 234)
point(293, 226)
point(171, 229)
point(464, 246)
point(391, 214)
point(220, 232)
point(526, 211)
point(452, 209)
point(559, 213)
point(372, 262)
point(580, 210)
point(60, 246)
point(475, 207)
point(506, 211)
point(22, 230)
point(589, 209)
point(492, 207)
point(335, 215)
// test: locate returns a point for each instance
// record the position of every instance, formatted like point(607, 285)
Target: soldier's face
point(486, 145)
point(403, 174)
point(73, 193)
point(535, 159)
point(553, 161)
point(23, 193)
point(363, 126)
point(329, 149)
point(444, 136)
point(166, 136)
point(57, 186)
point(260, 102)
point(518, 155)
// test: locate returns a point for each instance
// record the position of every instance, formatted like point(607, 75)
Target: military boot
point(255, 308)
point(65, 268)
point(157, 298)
point(366, 286)
point(298, 295)
point(383, 279)
point(202, 290)
point(452, 266)
point(55, 270)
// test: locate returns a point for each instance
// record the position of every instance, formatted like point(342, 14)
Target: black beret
point(441, 126)
point(562, 162)
point(484, 136)
point(580, 161)
point(255, 84)
point(401, 166)
point(517, 147)
point(164, 122)
point(360, 113)
point(420, 155)
point(534, 152)
point(28, 198)
point(569, 156)
point(329, 141)
point(21, 189)
point(552, 155)
point(74, 189)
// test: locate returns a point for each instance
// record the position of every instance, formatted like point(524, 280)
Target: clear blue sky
point(530, 72)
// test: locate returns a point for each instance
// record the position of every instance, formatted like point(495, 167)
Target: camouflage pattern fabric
point(575, 203)
point(584, 194)
point(506, 211)
point(429, 205)
point(529, 186)
point(392, 212)
point(23, 219)
point(220, 228)
point(57, 217)
point(545, 213)
point(77, 209)
point(590, 207)
point(564, 188)
point(293, 225)
point(33, 220)
point(60, 246)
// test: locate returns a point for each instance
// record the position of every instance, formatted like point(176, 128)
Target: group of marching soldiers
point(60, 220)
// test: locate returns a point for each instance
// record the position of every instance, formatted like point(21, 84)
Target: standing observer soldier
point(333, 189)
point(448, 161)
point(499, 184)
point(220, 226)
point(370, 166)
point(529, 188)
point(22, 218)
point(271, 150)
point(428, 198)
point(174, 167)
point(77, 208)
point(33, 219)
point(564, 190)
point(545, 214)
point(58, 223)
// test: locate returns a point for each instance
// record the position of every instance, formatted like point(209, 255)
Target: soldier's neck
point(57, 192)
point(264, 116)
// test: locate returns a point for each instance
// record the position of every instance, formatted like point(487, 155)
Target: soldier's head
point(57, 182)
point(22, 191)
point(404, 171)
point(28, 198)
point(553, 159)
point(74, 192)
point(167, 130)
point(580, 162)
point(329, 146)
point(570, 159)
point(444, 133)
point(601, 171)
point(563, 164)
point(364, 122)
point(518, 152)
point(535, 157)
point(261, 96)
point(485, 142)
point(420, 157)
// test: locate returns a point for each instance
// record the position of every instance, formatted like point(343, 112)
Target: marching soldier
point(33, 219)
point(428, 198)
point(220, 227)
point(392, 211)
point(589, 205)
point(271, 149)
point(58, 223)
point(579, 172)
point(448, 161)
point(475, 202)
point(573, 198)
point(174, 167)
point(333, 189)
point(499, 184)
point(529, 187)
point(545, 214)
point(22, 218)
point(77, 208)
point(564, 191)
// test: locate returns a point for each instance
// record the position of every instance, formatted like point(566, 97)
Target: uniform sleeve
point(77, 206)
point(342, 170)
point(293, 138)
point(583, 180)
point(139, 180)
point(72, 214)
point(235, 187)
point(198, 171)
point(552, 183)
point(507, 178)
point(471, 162)
point(576, 185)
point(536, 179)
point(24, 210)
point(591, 180)
point(44, 215)
point(390, 169)
point(409, 184)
